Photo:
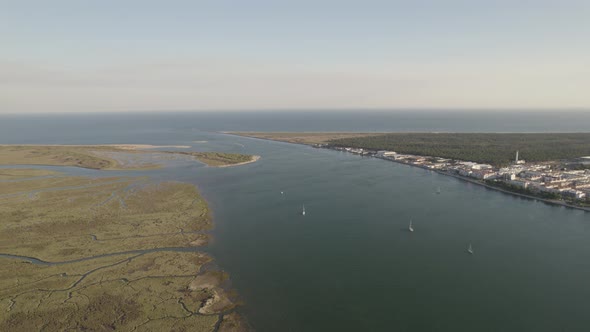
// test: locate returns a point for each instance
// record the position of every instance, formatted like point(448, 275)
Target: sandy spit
point(253, 160)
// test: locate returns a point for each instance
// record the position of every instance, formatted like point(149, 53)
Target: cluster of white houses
point(536, 177)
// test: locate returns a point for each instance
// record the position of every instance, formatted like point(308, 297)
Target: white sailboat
point(410, 228)
point(470, 249)
point(438, 190)
point(303, 212)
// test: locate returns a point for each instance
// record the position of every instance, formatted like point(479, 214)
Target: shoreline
point(262, 138)
point(254, 159)
point(459, 177)
point(544, 200)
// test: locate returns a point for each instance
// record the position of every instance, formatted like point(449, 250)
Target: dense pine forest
point(497, 149)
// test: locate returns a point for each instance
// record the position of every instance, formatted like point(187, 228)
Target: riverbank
point(548, 201)
point(474, 181)
point(486, 148)
point(325, 138)
point(122, 253)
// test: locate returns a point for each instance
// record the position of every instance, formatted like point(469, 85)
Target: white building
point(385, 153)
point(573, 193)
point(519, 183)
point(481, 166)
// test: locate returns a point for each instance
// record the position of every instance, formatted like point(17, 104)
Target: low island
point(113, 157)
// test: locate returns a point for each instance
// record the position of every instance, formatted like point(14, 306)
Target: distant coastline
point(119, 146)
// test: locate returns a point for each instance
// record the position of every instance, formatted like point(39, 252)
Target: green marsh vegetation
point(102, 233)
point(218, 159)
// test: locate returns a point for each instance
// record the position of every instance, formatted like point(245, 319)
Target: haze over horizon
point(109, 56)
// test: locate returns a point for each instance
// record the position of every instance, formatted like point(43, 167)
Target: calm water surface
point(350, 264)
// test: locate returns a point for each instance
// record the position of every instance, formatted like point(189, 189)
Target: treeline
point(496, 149)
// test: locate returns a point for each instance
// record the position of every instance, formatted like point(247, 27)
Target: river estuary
point(350, 264)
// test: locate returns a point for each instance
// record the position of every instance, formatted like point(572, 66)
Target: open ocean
point(112, 128)
point(350, 264)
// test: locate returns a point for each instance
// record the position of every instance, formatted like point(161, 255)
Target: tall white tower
point(516, 157)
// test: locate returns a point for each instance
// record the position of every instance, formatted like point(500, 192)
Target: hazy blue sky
point(66, 56)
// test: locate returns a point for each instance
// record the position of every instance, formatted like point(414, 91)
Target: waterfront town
point(555, 180)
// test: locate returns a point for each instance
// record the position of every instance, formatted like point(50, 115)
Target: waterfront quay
point(559, 182)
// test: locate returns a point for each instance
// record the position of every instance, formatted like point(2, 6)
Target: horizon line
point(307, 110)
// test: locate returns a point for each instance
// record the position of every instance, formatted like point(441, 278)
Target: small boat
point(410, 228)
point(438, 191)
point(282, 192)
point(303, 212)
point(470, 249)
